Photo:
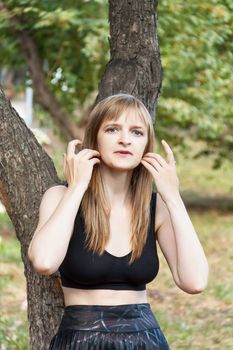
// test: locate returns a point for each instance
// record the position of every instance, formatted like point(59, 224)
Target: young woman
point(100, 231)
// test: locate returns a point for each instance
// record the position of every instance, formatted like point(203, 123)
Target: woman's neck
point(116, 184)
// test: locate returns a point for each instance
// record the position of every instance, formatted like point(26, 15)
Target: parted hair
point(95, 206)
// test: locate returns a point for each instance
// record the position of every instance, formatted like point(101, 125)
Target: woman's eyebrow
point(138, 127)
point(111, 124)
point(131, 126)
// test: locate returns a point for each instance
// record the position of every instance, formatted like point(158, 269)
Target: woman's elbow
point(41, 266)
point(195, 286)
point(201, 282)
point(43, 269)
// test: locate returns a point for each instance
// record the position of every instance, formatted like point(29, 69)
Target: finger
point(84, 153)
point(152, 168)
point(169, 153)
point(88, 153)
point(153, 162)
point(161, 160)
point(95, 161)
point(71, 146)
point(158, 157)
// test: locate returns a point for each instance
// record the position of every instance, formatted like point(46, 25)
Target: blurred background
point(194, 115)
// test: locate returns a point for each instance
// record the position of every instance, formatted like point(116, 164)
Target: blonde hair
point(95, 207)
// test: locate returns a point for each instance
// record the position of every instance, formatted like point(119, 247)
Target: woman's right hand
point(77, 168)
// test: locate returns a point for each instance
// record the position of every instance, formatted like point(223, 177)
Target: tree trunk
point(134, 66)
point(44, 96)
point(26, 171)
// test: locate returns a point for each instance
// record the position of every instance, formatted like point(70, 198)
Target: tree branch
point(43, 93)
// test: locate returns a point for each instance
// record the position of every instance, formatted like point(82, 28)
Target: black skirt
point(120, 327)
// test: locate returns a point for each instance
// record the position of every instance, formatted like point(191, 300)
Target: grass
point(9, 250)
point(201, 180)
point(196, 322)
point(13, 315)
point(13, 331)
point(13, 321)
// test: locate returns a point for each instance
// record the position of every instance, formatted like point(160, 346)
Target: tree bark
point(134, 65)
point(44, 96)
point(26, 171)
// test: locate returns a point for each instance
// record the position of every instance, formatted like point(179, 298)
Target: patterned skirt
point(98, 327)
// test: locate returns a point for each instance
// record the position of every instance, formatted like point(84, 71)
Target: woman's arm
point(180, 245)
point(50, 241)
point(58, 209)
point(176, 234)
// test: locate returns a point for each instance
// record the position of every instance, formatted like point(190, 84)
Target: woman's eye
point(138, 132)
point(111, 130)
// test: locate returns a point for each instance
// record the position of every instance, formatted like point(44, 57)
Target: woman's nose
point(124, 138)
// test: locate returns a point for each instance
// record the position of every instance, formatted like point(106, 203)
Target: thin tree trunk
point(134, 66)
point(26, 171)
point(44, 96)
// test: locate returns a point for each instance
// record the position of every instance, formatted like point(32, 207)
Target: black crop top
point(87, 270)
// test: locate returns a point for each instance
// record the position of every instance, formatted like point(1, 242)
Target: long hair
point(95, 207)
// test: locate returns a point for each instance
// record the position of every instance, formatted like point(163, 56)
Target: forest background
point(194, 114)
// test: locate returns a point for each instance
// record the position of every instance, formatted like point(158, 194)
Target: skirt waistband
point(105, 318)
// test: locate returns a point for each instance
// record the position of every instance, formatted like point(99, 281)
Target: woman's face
point(122, 142)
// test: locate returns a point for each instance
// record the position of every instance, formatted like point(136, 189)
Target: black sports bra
point(87, 270)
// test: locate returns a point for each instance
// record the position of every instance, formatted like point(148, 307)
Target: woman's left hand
point(163, 172)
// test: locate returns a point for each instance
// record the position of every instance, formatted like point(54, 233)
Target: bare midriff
point(74, 296)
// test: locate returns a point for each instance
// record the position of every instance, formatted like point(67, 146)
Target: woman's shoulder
point(56, 188)
point(53, 193)
point(50, 200)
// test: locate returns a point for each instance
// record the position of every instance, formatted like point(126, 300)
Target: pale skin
point(176, 235)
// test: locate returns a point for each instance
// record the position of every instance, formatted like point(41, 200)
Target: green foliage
point(196, 43)
point(197, 56)
point(71, 39)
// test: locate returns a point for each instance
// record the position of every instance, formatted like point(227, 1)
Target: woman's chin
point(120, 167)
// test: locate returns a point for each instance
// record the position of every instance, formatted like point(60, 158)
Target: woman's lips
point(124, 152)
